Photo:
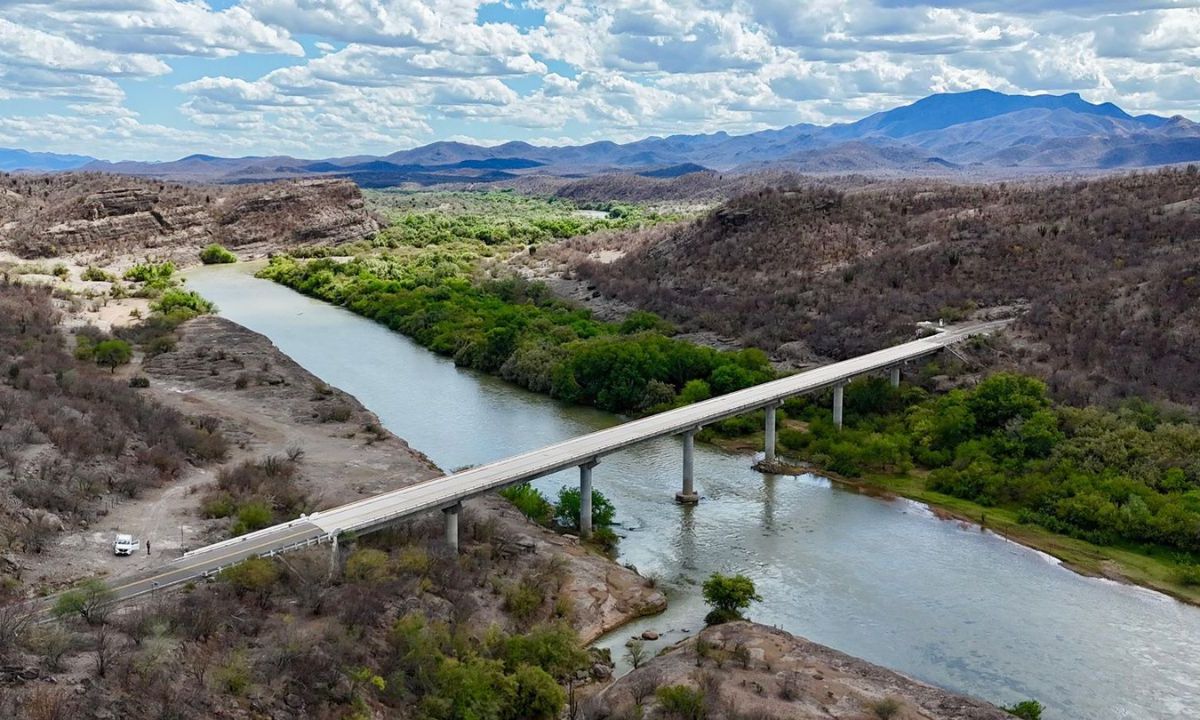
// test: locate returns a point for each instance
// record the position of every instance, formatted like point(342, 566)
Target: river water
point(882, 580)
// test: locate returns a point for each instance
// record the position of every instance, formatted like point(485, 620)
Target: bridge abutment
point(450, 515)
point(688, 494)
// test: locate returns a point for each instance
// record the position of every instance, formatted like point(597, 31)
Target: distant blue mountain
point(958, 133)
point(13, 159)
point(948, 109)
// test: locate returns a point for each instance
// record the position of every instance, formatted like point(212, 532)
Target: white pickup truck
point(125, 545)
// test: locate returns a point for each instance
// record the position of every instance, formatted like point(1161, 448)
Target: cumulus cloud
point(160, 27)
point(384, 74)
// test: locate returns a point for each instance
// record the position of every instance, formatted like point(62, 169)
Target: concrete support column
point(896, 376)
point(688, 494)
point(450, 515)
point(585, 499)
point(838, 391)
point(769, 435)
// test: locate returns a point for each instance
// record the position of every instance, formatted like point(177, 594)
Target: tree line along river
point(883, 580)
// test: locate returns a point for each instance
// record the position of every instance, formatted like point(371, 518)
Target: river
point(883, 580)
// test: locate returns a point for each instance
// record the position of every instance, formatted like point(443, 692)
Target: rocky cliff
point(90, 213)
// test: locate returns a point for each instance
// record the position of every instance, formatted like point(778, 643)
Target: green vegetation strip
point(1112, 493)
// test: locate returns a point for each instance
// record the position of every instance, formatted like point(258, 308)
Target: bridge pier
point(450, 515)
point(769, 435)
point(896, 376)
point(585, 498)
point(838, 392)
point(688, 494)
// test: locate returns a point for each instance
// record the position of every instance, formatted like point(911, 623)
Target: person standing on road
point(147, 547)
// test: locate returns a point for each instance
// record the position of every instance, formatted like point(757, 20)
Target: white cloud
point(383, 74)
point(162, 27)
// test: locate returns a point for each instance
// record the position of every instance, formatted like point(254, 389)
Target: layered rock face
point(83, 213)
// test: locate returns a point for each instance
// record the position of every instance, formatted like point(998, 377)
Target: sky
point(159, 79)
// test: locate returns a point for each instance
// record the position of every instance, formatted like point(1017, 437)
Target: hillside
point(68, 214)
point(1108, 269)
point(968, 134)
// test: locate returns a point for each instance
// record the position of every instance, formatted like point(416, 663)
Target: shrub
point(234, 675)
point(368, 565)
point(682, 702)
point(61, 271)
point(523, 600)
point(220, 505)
point(553, 647)
point(111, 353)
point(188, 301)
point(251, 516)
point(139, 381)
point(150, 273)
point(330, 412)
point(1026, 710)
point(216, 254)
point(729, 596)
point(1188, 575)
point(256, 576)
point(95, 274)
point(530, 501)
point(886, 709)
point(538, 695)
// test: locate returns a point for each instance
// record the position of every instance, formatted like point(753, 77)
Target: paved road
point(446, 491)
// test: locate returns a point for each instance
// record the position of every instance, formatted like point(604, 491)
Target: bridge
point(447, 493)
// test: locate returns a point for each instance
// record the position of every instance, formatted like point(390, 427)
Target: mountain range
point(977, 132)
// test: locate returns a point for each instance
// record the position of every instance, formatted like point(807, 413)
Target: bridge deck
point(446, 491)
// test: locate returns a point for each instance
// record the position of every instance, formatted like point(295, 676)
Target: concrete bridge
point(446, 494)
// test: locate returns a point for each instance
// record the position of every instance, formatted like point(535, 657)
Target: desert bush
point(95, 274)
point(216, 255)
point(681, 702)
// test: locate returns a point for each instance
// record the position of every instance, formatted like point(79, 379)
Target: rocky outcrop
point(747, 670)
point(77, 214)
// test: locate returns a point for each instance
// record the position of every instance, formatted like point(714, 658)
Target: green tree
point(1004, 397)
point(694, 391)
point(91, 601)
point(729, 596)
point(538, 695)
point(566, 512)
point(475, 689)
point(111, 353)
